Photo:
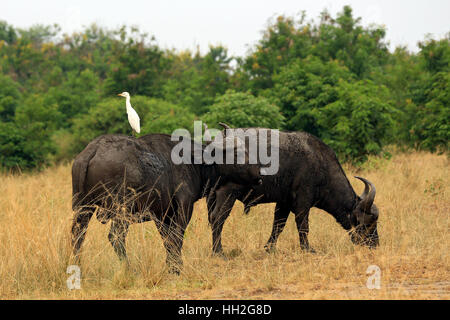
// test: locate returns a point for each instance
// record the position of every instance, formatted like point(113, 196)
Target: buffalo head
point(236, 171)
point(241, 173)
point(364, 217)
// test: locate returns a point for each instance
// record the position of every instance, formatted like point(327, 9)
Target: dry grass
point(413, 197)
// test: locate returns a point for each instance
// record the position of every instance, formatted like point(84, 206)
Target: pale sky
point(234, 24)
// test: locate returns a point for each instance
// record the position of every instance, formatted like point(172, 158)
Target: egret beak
point(119, 94)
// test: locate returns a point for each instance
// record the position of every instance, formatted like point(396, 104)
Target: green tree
point(13, 152)
point(7, 32)
point(304, 87)
point(283, 41)
point(75, 95)
point(353, 117)
point(39, 34)
point(431, 129)
point(10, 97)
point(185, 84)
point(361, 49)
point(196, 81)
point(435, 54)
point(242, 109)
point(429, 109)
point(359, 122)
point(138, 66)
point(26, 142)
point(215, 71)
point(400, 74)
point(165, 117)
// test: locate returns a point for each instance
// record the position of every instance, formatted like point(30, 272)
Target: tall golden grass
point(412, 195)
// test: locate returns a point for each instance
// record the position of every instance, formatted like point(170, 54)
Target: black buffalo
point(309, 176)
point(132, 180)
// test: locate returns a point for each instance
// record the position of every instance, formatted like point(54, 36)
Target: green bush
point(196, 81)
point(359, 123)
point(25, 142)
point(242, 109)
point(74, 96)
point(10, 97)
point(165, 117)
point(13, 154)
point(23, 149)
point(304, 87)
point(353, 117)
point(431, 128)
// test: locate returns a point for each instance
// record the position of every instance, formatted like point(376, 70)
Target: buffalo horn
point(224, 125)
point(368, 196)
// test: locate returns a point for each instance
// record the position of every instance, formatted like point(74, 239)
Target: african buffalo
point(309, 175)
point(132, 180)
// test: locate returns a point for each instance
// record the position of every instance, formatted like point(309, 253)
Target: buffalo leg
point(172, 244)
point(79, 228)
point(117, 235)
point(279, 221)
point(172, 232)
point(302, 222)
point(217, 218)
point(211, 202)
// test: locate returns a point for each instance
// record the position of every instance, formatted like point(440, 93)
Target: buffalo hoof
point(219, 254)
point(270, 248)
point(174, 270)
point(309, 250)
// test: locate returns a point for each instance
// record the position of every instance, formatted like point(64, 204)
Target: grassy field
point(412, 195)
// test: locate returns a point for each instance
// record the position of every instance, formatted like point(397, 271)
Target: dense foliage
point(353, 116)
point(334, 78)
point(243, 110)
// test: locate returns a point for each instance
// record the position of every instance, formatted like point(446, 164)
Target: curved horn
point(368, 196)
point(224, 125)
point(366, 187)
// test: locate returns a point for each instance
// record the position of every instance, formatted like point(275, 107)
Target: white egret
point(133, 117)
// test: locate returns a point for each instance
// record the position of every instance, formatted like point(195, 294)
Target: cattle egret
point(133, 117)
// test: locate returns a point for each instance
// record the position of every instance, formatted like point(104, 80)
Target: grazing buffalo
point(132, 180)
point(309, 176)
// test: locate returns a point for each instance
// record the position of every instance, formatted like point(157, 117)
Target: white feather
point(133, 117)
point(134, 120)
